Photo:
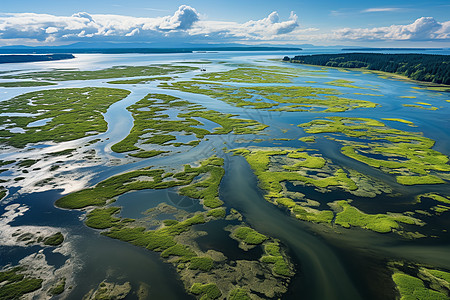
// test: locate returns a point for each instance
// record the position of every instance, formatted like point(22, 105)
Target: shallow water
point(332, 263)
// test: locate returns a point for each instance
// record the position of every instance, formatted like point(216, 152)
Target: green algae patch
point(408, 155)
point(382, 223)
point(201, 263)
point(411, 287)
point(434, 196)
point(14, 284)
point(25, 84)
point(114, 72)
point(421, 106)
point(71, 113)
point(141, 80)
point(293, 165)
point(413, 180)
point(249, 235)
point(217, 213)
point(400, 120)
point(308, 139)
point(275, 98)
point(256, 75)
point(206, 291)
point(344, 83)
point(273, 256)
point(152, 125)
point(239, 294)
point(54, 240)
point(102, 218)
point(408, 97)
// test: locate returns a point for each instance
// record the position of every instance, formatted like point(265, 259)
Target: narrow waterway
point(322, 275)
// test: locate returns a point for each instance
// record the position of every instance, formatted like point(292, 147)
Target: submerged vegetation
point(68, 114)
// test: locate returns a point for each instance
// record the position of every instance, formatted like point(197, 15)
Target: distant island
point(4, 59)
point(391, 49)
point(421, 67)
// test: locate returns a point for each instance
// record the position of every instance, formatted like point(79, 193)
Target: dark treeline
point(32, 58)
point(422, 67)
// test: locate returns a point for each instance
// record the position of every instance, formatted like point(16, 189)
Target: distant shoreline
point(5, 59)
point(47, 50)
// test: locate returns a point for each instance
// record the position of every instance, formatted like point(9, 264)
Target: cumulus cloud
point(422, 29)
point(185, 22)
point(268, 28)
point(82, 25)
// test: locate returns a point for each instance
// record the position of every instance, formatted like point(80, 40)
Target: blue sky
point(375, 23)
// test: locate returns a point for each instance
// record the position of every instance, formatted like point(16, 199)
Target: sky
point(379, 23)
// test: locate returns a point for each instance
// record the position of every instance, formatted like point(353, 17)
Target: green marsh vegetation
point(274, 167)
point(274, 98)
point(54, 240)
point(114, 72)
point(141, 80)
point(344, 83)
point(248, 235)
point(407, 155)
point(420, 282)
point(153, 126)
point(25, 84)
point(201, 273)
point(421, 106)
point(72, 114)
point(246, 74)
point(274, 257)
point(14, 284)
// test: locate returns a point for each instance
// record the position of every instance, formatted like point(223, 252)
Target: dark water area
point(135, 203)
point(42, 211)
point(219, 239)
point(11, 255)
point(55, 259)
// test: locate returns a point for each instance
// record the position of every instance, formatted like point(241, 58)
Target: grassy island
point(275, 98)
point(408, 155)
point(275, 167)
point(201, 272)
point(152, 125)
point(66, 114)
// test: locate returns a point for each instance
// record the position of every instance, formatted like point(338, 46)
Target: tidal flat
point(248, 178)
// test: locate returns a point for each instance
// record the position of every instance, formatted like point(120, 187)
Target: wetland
point(126, 177)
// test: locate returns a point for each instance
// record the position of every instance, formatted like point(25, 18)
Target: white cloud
point(82, 25)
point(380, 9)
point(268, 28)
point(185, 22)
point(422, 29)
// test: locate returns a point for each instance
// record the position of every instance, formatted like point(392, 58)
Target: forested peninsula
point(421, 67)
point(33, 58)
